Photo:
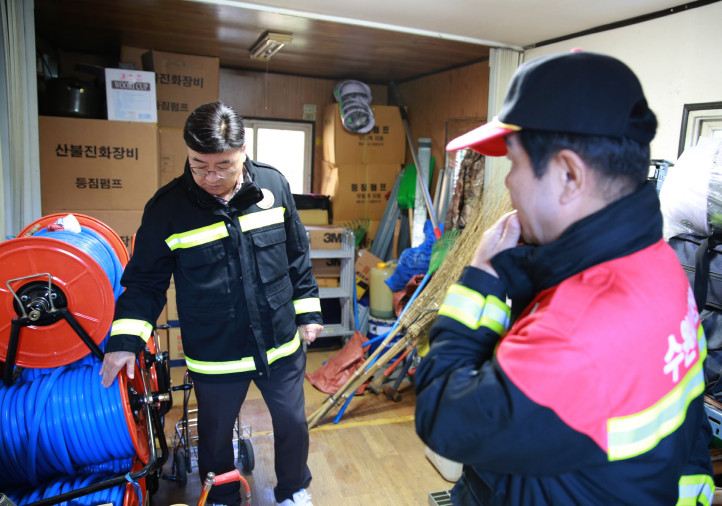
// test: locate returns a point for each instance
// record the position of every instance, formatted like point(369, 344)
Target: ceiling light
point(269, 44)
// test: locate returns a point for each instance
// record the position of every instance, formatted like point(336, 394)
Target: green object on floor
point(441, 248)
point(407, 188)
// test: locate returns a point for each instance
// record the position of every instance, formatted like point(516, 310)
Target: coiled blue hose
point(113, 467)
point(60, 423)
point(28, 495)
point(97, 247)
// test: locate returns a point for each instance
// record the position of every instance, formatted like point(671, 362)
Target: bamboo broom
point(421, 315)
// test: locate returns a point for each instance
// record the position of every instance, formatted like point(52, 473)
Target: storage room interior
point(354, 104)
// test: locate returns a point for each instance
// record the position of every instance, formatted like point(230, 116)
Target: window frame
point(289, 124)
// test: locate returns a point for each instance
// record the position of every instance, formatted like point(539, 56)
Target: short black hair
point(214, 128)
point(617, 160)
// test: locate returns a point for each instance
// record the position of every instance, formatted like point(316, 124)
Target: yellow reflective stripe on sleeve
point(701, 343)
point(140, 328)
point(698, 488)
point(198, 236)
point(283, 351)
point(243, 365)
point(636, 434)
point(262, 219)
point(496, 315)
point(463, 305)
point(310, 305)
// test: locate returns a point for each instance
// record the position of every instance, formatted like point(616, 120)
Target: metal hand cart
point(185, 440)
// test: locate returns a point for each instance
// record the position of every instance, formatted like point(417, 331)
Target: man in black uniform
point(228, 232)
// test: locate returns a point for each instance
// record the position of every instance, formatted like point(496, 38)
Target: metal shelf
point(336, 330)
point(345, 291)
point(334, 293)
point(330, 253)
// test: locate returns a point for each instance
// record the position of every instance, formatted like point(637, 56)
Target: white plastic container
point(381, 297)
point(449, 470)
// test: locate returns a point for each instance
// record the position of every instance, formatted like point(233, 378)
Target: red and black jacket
point(593, 397)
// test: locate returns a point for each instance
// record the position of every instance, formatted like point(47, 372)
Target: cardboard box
point(97, 164)
point(324, 236)
point(326, 267)
point(131, 95)
point(358, 191)
point(175, 347)
point(313, 216)
point(133, 55)
point(123, 223)
point(328, 282)
point(385, 144)
point(183, 82)
point(162, 320)
point(173, 154)
point(365, 260)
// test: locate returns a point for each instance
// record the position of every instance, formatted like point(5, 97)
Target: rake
point(359, 227)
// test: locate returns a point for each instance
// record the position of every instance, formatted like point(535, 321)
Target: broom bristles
point(421, 315)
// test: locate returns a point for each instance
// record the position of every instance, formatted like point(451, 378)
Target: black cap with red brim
point(488, 139)
point(577, 93)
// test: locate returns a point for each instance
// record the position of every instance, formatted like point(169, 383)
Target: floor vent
point(442, 498)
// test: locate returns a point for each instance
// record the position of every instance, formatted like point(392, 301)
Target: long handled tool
point(392, 392)
point(376, 362)
point(377, 384)
point(419, 178)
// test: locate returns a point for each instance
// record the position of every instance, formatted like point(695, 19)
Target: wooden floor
point(372, 457)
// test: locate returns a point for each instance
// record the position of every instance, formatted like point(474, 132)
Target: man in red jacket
point(588, 389)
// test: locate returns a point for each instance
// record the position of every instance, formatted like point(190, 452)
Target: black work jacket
point(242, 275)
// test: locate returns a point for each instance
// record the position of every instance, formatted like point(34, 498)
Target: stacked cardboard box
point(359, 170)
point(183, 83)
point(104, 169)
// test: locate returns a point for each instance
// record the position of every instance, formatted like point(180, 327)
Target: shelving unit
point(345, 291)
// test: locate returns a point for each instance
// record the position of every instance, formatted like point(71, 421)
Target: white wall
point(678, 59)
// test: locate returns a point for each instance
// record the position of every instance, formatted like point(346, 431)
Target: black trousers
point(218, 407)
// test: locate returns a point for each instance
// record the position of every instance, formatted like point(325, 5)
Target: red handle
point(227, 477)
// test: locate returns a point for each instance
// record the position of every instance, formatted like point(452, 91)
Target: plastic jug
point(382, 298)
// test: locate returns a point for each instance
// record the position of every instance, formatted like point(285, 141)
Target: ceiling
point(319, 48)
point(514, 22)
point(324, 48)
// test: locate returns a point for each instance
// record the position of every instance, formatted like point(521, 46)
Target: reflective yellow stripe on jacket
point(198, 236)
point(262, 219)
point(310, 305)
point(244, 364)
point(140, 328)
point(636, 434)
point(474, 310)
point(698, 488)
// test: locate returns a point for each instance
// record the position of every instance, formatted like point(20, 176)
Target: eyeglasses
point(223, 174)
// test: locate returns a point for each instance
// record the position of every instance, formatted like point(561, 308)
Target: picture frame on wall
point(699, 120)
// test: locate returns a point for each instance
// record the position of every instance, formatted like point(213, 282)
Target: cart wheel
point(188, 461)
point(181, 471)
point(245, 450)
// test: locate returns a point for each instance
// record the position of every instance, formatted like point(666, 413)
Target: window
point(284, 145)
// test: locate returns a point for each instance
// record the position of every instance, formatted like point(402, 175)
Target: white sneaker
point(300, 498)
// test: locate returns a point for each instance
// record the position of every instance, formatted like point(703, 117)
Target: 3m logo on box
point(332, 238)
